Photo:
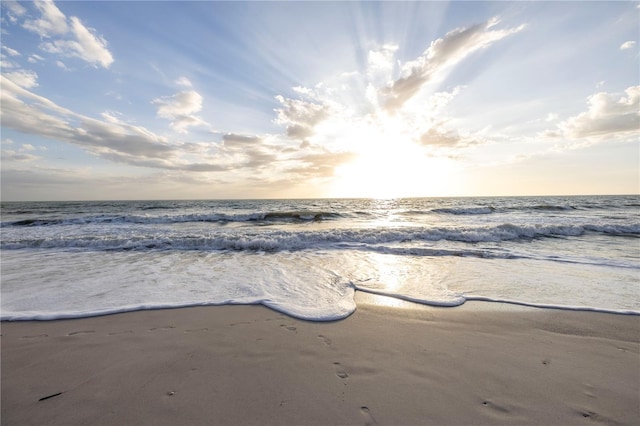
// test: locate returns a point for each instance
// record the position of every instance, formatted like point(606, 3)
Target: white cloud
point(381, 64)
point(6, 63)
point(23, 78)
point(51, 22)
point(35, 58)
point(440, 56)
point(10, 51)
point(627, 45)
point(84, 45)
point(68, 37)
point(184, 81)
point(303, 90)
point(180, 109)
point(92, 48)
point(15, 8)
point(180, 104)
point(609, 115)
point(300, 117)
point(249, 151)
point(110, 117)
point(62, 65)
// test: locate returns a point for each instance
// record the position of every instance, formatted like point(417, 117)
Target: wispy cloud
point(51, 22)
point(29, 113)
point(35, 58)
point(68, 37)
point(10, 51)
point(441, 55)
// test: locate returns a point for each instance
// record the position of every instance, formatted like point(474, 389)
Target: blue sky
point(167, 100)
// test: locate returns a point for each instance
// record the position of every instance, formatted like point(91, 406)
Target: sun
point(391, 165)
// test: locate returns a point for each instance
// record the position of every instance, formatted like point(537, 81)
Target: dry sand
point(239, 365)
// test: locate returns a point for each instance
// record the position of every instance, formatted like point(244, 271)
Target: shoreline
point(371, 297)
point(400, 364)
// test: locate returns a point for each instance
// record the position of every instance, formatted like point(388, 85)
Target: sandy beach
point(479, 364)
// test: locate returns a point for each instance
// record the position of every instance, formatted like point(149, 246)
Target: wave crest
point(275, 240)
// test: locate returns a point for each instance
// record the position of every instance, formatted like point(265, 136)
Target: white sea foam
point(99, 284)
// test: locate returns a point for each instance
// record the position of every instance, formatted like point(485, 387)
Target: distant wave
point(484, 210)
point(300, 215)
point(465, 210)
point(284, 216)
point(551, 207)
point(275, 240)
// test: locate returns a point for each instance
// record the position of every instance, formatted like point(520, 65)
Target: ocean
point(307, 258)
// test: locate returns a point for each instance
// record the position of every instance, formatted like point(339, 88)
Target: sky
point(204, 100)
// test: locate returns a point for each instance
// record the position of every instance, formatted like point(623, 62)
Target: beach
point(406, 364)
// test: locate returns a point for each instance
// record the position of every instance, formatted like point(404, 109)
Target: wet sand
point(481, 363)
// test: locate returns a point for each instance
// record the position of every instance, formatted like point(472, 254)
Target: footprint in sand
point(324, 339)
point(115, 333)
point(368, 417)
point(168, 327)
point(37, 336)
point(593, 416)
point(74, 333)
point(496, 407)
point(589, 390)
point(196, 330)
point(340, 372)
point(289, 327)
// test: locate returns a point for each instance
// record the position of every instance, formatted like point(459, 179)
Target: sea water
point(307, 258)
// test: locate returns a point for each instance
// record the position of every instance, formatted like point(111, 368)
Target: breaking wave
point(277, 240)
